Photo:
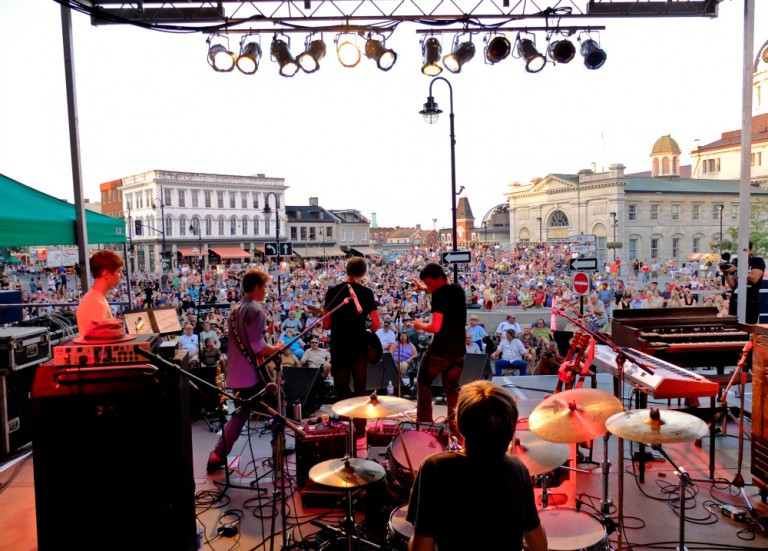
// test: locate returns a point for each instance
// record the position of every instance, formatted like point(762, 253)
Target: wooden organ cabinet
point(759, 464)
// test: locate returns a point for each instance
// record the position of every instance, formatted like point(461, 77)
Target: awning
point(309, 252)
point(364, 251)
point(231, 252)
point(185, 251)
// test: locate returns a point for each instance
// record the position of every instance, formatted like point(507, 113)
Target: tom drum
point(418, 445)
point(571, 530)
point(399, 529)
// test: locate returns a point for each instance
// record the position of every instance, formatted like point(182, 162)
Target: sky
point(353, 137)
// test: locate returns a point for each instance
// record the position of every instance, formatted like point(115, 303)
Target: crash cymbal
point(574, 415)
point(366, 407)
point(539, 455)
point(347, 472)
point(651, 426)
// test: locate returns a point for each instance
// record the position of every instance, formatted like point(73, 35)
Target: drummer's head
point(486, 415)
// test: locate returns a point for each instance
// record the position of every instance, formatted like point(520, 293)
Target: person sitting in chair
point(210, 354)
point(509, 354)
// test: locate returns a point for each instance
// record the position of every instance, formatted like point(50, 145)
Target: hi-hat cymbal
point(651, 426)
point(574, 415)
point(539, 455)
point(364, 407)
point(348, 472)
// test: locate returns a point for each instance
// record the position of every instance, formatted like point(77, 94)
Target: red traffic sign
point(581, 283)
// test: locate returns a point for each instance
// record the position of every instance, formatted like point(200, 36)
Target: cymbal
point(539, 455)
point(574, 415)
point(348, 472)
point(651, 426)
point(364, 407)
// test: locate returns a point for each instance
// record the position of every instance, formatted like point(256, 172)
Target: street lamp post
point(161, 205)
point(431, 114)
point(125, 252)
point(613, 215)
point(719, 207)
point(267, 210)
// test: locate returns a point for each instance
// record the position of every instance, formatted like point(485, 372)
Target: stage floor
point(648, 508)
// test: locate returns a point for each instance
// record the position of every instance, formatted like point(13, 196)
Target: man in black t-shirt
point(445, 354)
point(754, 283)
point(349, 345)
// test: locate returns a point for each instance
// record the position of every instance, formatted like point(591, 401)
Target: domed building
point(666, 157)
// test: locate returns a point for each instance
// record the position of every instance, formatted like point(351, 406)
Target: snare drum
point(571, 530)
point(399, 529)
point(420, 445)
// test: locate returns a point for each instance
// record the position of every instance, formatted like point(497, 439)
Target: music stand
point(154, 320)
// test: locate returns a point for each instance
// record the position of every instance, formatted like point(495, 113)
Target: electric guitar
point(572, 365)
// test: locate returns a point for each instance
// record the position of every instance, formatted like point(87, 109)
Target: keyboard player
point(754, 283)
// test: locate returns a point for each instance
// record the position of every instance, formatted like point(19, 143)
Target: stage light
point(378, 51)
point(461, 54)
point(497, 48)
point(219, 57)
point(430, 51)
point(347, 50)
point(309, 59)
point(281, 53)
point(561, 51)
point(594, 55)
point(250, 55)
point(534, 61)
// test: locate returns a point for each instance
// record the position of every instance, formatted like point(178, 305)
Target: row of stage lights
point(497, 48)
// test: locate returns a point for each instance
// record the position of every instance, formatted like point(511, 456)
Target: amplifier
point(321, 443)
point(21, 347)
point(16, 410)
point(105, 353)
point(381, 433)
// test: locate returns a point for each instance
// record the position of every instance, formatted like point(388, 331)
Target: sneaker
point(214, 463)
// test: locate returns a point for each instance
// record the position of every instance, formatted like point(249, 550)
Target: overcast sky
point(353, 137)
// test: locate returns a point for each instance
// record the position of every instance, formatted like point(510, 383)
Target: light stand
point(431, 114)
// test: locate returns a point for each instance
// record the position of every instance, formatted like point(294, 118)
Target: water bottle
point(390, 389)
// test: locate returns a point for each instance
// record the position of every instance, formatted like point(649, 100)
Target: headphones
point(231, 528)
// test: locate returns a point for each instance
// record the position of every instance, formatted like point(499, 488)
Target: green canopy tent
point(30, 217)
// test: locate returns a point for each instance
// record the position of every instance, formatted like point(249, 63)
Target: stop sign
point(581, 283)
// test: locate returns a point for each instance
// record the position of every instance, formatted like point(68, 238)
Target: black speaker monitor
point(476, 367)
point(379, 374)
point(306, 386)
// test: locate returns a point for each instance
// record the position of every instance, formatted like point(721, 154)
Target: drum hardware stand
point(685, 481)
point(605, 503)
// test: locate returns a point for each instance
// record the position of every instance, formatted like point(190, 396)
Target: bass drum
point(399, 530)
point(415, 445)
point(571, 530)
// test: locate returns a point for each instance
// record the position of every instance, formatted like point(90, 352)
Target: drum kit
point(563, 419)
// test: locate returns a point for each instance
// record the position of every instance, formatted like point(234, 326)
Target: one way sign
point(270, 249)
point(456, 257)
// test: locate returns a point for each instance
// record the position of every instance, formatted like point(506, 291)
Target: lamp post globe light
point(431, 112)
point(268, 210)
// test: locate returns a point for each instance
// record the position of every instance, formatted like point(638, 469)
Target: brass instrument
point(221, 372)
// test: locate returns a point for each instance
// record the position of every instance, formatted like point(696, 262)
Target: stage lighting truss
point(347, 49)
point(430, 51)
point(462, 52)
point(219, 55)
point(497, 48)
point(594, 55)
point(376, 49)
point(314, 51)
point(250, 54)
point(526, 50)
point(281, 53)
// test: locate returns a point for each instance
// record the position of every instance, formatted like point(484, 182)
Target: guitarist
point(247, 323)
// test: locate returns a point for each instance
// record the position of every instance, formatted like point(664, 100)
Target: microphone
point(354, 299)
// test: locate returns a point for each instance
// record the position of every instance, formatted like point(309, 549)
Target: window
point(632, 212)
point(312, 234)
point(329, 232)
point(266, 226)
point(255, 226)
point(221, 225)
point(168, 197)
point(654, 212)
point(696, 244)
point(293, 233)
point(716, 212)
point(168, 226)
point(129, 201)
point(220, 199)
point(182, 198)
point(757, 158)
point(343, 235)
point(675, 214)
point(675, 247)
point(734, 212)
point(654, 247)
point(711, 165)
point(232, 199)
point(208, 225)
point(182, 225)
point(255, 200)
point(195, 197)
point(232, 223)
point(207, 195)
point(245, 225)
point(139, 200)
point(696, 212)
point(148, 195)
point(351, 236)
point(303, 233)
point(558, 220)
point(244, 202)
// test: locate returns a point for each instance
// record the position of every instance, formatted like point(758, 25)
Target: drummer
point(480, 497)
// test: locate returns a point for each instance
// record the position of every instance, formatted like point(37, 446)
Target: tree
point(758, 233)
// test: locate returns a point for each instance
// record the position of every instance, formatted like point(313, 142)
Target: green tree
point(758, 232)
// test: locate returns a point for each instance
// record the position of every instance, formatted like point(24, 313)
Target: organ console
point(759, 442)
point(686, 337)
